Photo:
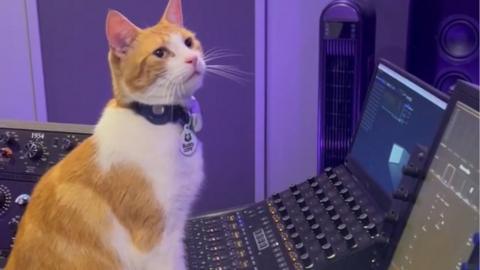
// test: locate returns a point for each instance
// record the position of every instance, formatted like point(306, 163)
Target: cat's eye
point(160, 52)
point(189, 42)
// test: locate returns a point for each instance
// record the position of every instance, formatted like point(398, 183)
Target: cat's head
point(163, 64)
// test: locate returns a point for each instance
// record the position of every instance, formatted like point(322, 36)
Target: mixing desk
point(317, 224)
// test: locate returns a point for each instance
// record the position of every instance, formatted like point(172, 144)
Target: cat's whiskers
point(215, 54)
point(226, 71)
point(229, 72)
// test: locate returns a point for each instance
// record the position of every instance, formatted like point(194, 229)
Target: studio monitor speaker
point(443, 41)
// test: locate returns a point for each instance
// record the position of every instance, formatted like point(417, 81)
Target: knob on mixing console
point(291, 228)
point(7, 138)
point(310, 219)
point(328, 171)
point(372, 229)
point(331, 210)
point(333, 178)
point(326, 202)
point(337, 220)
point(350, 201)
point(357, 210)
point(339, 185)
point(343, 229)
point(364, 219)
point(307, 262)
point(6, 152)
point(34, 150)
point(67, 144)
point(351, 243)
point(320, 194)
point(13, 225)
point(322, 238)
point(345, 193)
point(328, 250)
point(301, 202)
point(22, 199)
point(282, 210)
point(316, 229)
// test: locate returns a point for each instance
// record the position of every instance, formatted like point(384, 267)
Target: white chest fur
point(125, 137)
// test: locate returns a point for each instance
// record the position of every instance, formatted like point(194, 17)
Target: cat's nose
point(192, 60)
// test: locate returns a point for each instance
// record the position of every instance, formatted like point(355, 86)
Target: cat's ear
point(173, 12)
point(120, 32)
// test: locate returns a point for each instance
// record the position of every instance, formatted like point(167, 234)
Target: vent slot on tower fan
point(338, 98)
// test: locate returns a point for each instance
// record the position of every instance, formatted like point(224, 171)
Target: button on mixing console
point(291, 229)
point(301, 202)
point(343, 229)
point(357, 210)
point(338, 185)
point(326, 202)
point(350, 201)
point(297, 194)
point(320, 194)
point(328, 171)
point(328, 251)
point(344, 192)
point(351, 243)
point(331, 210)
point(316, 228)
point(322, 238)
point(306, 261)
point(372, 229)
point(364, 219)
point(315, 186)
point(310, 219)
point(333, 178)
point(336, 219)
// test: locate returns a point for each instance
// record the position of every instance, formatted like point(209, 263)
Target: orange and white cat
point(120, 200)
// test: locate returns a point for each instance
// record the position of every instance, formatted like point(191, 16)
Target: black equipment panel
point(27, 151)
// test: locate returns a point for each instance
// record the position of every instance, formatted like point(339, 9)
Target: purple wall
point(77, 81)
point(292, 83)
point(16, 84)
point(392, 26)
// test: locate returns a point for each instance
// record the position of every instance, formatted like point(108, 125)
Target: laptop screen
point(438, 234)
point(399, 114)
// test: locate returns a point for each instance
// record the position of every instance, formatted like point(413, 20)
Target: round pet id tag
point(189, 141)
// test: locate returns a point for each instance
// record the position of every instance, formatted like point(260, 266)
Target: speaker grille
point(459, 39)
point(446, 81)
point(339, 98)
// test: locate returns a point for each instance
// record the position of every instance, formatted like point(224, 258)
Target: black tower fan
point(347, 46)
